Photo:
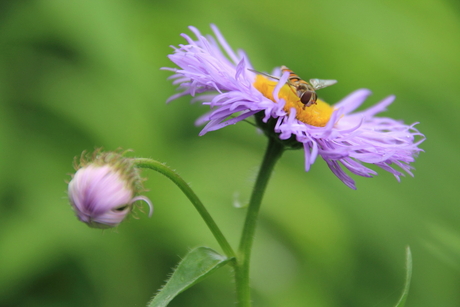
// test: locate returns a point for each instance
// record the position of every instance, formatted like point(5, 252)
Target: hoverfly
point(304, 90)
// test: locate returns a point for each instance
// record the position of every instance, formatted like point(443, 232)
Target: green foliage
point(76, 75)
point(198, 264)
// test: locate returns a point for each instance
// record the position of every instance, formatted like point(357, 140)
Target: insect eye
point(306, 98)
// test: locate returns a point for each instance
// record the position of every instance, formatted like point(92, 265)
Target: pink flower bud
point(102, 191)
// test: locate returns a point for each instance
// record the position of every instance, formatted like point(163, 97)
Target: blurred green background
point(75, 75)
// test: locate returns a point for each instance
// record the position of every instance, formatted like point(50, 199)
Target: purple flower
point(343, 138)
point(102, 191)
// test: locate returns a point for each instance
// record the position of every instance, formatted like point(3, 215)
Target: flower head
point(102, 191)
point(343, 138)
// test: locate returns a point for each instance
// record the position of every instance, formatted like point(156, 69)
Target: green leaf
point(198, 264)
point(402, 300)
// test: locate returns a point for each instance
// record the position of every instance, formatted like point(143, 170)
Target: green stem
point(273, 153)
point(174, 177)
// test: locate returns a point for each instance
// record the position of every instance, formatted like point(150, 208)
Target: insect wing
point(320, 83)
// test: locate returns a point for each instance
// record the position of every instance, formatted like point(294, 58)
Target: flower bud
point(103, 190)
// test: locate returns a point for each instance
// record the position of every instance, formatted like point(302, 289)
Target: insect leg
point(264, 74)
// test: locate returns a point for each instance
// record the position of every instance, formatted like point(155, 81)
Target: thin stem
point(272, 154)
point(165, 170)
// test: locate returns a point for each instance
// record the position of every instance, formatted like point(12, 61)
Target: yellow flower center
point(316, 115)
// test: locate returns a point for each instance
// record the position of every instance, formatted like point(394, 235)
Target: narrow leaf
point(198, 264)
point(402, 300)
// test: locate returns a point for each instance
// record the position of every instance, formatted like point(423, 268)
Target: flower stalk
point(242, 264)
point(273, 153)
point(174, 177)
